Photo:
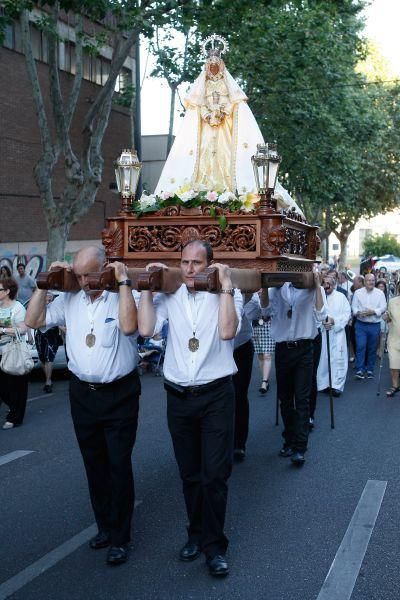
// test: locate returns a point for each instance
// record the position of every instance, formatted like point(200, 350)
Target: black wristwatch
point(125, 282)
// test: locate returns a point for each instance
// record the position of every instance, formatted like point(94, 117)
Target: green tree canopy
point(378, 245)
point(337, 131)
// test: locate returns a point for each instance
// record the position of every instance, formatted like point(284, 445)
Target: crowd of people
point(313, 334)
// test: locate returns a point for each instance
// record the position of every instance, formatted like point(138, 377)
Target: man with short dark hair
point(198, 369)
point(26, 284)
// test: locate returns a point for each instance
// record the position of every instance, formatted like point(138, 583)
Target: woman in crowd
point(5, 272)
point(392, 317)
point(47, 344)
point(264, 346)
point(382, 285)
point(13, 388)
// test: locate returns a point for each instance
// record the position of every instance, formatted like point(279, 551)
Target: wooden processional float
point(264, 248)
point(263, 237)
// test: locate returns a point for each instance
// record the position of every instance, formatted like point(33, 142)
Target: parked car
point(389, 262)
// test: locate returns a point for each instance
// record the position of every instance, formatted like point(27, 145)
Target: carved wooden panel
point(295, 242)
point(171, 238)
point(273, 239)
point(292, 266)
point(113, 239)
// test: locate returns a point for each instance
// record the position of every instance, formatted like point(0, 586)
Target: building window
point(124, 79)
point(39, 44)
point(95, 68)
point(8, 41)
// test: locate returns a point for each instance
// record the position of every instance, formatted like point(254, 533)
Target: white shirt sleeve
point(321, 315)
point(160, 307)
point(355, 305)
point(238, 300)
point(55, 313)
point(252, 308)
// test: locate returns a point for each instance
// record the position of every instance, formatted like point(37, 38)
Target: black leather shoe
point(285, 452)
point(239, 454)
point(217, 566)
point(336, 393)
point(117, 555)
point(190, 551)
point(101, 540)
point(298, 459)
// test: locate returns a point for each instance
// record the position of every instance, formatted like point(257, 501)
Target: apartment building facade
point(23, 232)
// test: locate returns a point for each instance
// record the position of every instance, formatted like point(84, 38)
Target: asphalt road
point(285, 524)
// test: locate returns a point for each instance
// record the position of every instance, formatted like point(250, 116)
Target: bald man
point(104, 390)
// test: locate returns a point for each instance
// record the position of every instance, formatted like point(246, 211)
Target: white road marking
point(343, 573)
point(42, 396)
point(6, 458)
point(47, 561)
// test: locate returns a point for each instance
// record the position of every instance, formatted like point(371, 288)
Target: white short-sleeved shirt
point(113, 355)
point(195, 315)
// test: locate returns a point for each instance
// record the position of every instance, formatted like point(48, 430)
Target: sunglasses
point(2, 290)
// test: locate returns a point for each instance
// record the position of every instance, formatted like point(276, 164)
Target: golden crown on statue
point(214, 45)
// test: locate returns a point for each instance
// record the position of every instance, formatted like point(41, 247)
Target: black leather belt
point(294, 343)
point(101, 386)
point(185, 390)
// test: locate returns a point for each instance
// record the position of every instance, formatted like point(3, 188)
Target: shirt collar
point(103, 297)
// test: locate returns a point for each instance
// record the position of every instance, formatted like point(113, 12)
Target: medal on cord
point(90, 339)
point(194, 342)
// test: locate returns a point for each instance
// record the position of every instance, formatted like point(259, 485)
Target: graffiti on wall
point(34, 263)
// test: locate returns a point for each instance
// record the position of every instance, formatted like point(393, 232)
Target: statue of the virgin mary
point(218, 136)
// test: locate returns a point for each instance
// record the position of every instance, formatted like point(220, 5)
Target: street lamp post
point(127, 173)
point(266, 165)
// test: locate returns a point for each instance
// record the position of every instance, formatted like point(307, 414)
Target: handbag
point(16, 358)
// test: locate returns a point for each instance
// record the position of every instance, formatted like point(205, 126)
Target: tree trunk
point(343, 237)
point(57, 238)
point(171, 119)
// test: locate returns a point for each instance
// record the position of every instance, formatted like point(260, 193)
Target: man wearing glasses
point(294, 313)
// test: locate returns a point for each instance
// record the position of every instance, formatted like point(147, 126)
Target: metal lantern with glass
point(127, 173)
point(266, 166)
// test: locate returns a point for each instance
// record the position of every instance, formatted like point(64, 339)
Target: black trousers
point(294, 368)
point(243, 357)
point(317, 346)
point(14, 393)
point(105, 421)
point(201, 427)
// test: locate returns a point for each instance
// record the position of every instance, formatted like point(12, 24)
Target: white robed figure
point(338, 311)
point(218, 136)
